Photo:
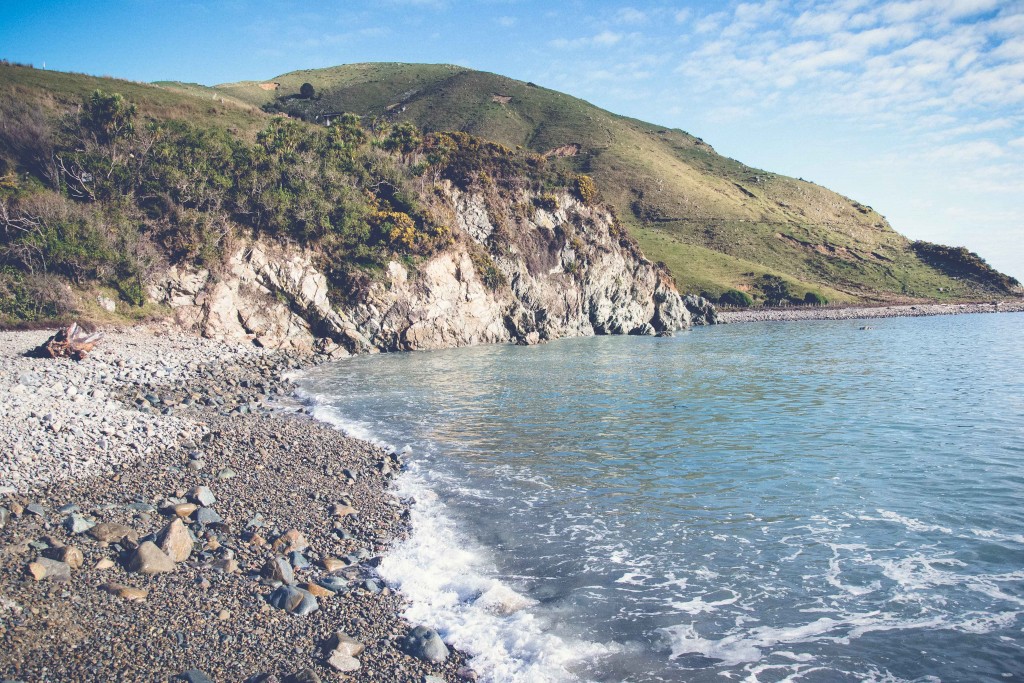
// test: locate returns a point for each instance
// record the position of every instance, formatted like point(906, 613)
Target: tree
point(307, 91)
point(404, 138)
point(775, 290)
point(815, 299)
point(108, 117)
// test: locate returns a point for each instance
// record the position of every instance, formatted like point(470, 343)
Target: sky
point(914, 107)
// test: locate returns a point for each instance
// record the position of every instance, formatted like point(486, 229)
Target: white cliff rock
point(548, 273)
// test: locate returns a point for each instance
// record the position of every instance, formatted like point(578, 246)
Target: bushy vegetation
point(776, 291)
point(586, 189)
point(104, 196)
point(815, 299)
point(960, 262)
point(711, 219)
point(734, 297)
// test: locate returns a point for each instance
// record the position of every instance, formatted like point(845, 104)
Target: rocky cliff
point(524, 270)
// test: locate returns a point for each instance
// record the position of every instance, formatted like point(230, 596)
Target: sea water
point(803, 501)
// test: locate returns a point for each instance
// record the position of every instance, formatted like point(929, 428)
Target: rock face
point(522, 270)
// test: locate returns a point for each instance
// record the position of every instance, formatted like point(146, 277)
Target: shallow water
point(802, 501)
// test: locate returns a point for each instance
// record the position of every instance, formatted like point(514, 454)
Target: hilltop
point(717, 223)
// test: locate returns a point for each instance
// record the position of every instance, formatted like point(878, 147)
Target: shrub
point(488, 271)
point(108, 117)
point(776, 290)
point(307, 91)
point(547, 201)
point(815, 299)
point(959, 262)
point(586, 189)
point(404, 138)
point(734, 297)
point(27, 297)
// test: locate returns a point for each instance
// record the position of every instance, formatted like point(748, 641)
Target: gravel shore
point(859, 312)
point(167, 514)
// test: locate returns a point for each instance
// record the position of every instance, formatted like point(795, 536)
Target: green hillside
point(717, 223)
point(105, 184)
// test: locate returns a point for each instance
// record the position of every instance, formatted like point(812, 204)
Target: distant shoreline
point(861, 312)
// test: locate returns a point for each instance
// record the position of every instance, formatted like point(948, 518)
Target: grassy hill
point(105, 184)
point(717, 223)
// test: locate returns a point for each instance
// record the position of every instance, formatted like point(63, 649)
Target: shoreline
point(129, 433)
point(865, 312)
point(124, 440)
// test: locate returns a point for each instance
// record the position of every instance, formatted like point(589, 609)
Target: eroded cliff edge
point(524, 268)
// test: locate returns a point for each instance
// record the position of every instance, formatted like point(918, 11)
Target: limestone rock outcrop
point(521, 271)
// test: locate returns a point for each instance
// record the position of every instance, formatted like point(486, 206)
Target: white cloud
point(631, 15)
point(967, 152)
point(710, 23)
point(814, 23)
point(604, 39)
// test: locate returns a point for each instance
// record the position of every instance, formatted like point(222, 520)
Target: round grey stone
point(424, 643)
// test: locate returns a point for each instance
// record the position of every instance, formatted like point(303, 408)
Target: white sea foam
point(909, 522)
point(449, 583)
point(918, 572)
point(633, 578)
point(698, 605)
point(997, 535)
point(752, 645)
point(448, 580)
point(320, 408)
point(832, 576)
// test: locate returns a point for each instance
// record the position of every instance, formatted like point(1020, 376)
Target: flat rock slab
point(50, 570)
point(68, 554)
point(290, 541)
point(202, 495)
point(339, 661)
point(335, 584)
point(112, 532)
point(129, 593)
point(77, 524)
point(278, 569)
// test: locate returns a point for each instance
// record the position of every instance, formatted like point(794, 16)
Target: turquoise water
point(802, 501)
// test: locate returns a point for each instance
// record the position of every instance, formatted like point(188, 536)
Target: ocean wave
point(449, 580)
point(451, 586)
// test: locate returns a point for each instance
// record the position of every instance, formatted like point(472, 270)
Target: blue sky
point(913, 107)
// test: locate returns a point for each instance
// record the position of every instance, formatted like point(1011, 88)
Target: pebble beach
point(167, 513)
point(861, 312)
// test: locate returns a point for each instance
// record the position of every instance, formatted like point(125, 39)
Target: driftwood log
point(71, 342)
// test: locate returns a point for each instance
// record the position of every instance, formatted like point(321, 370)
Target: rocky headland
point(167, 514)
point(564, 269)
